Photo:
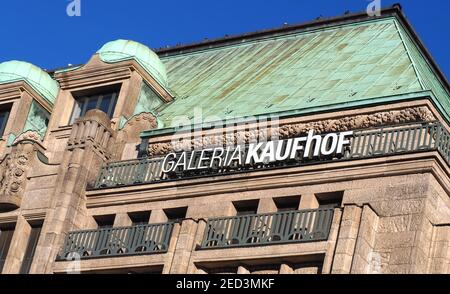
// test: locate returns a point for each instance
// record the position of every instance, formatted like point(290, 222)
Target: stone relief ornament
point(132, 129)
point(407, 115)
point(28, 136)
point(13, 173)
point(143, 118)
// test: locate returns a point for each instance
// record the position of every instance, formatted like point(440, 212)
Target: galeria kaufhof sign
point(271, 153)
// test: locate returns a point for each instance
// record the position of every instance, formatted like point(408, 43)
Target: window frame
point(6, 235)
point(4, 109)
point(83, 101)
point(33, 240)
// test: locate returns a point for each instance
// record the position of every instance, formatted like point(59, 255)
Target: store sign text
point(310, 146)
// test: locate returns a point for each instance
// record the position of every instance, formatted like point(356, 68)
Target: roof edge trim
point(305, 111)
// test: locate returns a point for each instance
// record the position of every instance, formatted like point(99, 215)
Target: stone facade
point(380, 213)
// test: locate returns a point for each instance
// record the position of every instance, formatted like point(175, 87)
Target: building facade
point(309, 149)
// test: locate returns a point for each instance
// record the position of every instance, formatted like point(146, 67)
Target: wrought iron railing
point(110, 242)
point(261, 229)
point(367, 143)
point(144, 170)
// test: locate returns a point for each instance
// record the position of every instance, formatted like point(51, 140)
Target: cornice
point(323, 173)
point(14, 91)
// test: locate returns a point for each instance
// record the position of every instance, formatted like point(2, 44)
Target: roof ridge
point(319, 22)
point(395, 9)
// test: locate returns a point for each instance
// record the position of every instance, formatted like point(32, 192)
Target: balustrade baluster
point(262, 229)
point(117, 241)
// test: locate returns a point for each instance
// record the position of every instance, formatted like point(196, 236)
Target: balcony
point(267, 229)
point(367, 143)
point(112, 242)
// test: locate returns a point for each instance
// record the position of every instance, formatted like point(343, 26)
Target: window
point(246, 207)
point(37, 119)
point(105, 221)
point(331, 199)
point(176, 214)
point(287, 203)
point(148, 100)
point(139, 217)
point(6, 235)
point(105, 102)
point(31, 248)
point(4, 115)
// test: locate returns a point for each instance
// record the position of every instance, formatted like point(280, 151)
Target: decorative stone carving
point(133, 127)
point(28, 136)
point(128, 138)
point(13, 174)
point(407, 115)
point(160, 149)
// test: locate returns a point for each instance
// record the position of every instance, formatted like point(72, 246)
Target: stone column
point(348, 233)
point(420, 254)
point(129, 95)
point(308, 201)
point(18, 247)
point(267, 205)
point(242, 270)
point(20, 112)
point(171, 250)
point(440, 251)
point(88, 148)
point(286, 269)
point(201, 225)
point(332, 240)
point(184, 247)
point(122, 220)
point(157, 217)
point(365, 259)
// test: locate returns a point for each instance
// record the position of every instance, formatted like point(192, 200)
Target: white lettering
point(217, 157)
point(191, 164)
point(253, 153)
point(203, 158)
point(325, 150)
point(317, 139)
point(265, 152)
point(227, 154)
point(182, 161)
point(168, 166)
point(268, 153)
point(296, 146)
point(342, 141)
point(287, 145)
point(236, 156)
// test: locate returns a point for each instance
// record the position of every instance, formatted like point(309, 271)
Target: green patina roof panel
point(119, 50)
point(340, 65)
point(39, 80)
point(427, 77)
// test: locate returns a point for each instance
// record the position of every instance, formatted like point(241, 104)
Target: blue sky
point(40, 31)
